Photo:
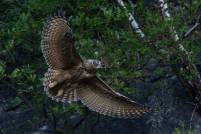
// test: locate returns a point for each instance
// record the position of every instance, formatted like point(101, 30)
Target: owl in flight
point(70, 78)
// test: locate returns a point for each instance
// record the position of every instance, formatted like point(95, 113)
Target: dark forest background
point(102, 31)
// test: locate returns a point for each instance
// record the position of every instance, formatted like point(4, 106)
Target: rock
point(173, 110)
point(10, 122)
point(152, 64)
point(44, 129)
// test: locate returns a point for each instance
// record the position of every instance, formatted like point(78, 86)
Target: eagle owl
point(70, 78)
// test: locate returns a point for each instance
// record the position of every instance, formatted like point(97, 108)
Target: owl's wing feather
point(57, 44)
point(99, 97)
point(61, 92)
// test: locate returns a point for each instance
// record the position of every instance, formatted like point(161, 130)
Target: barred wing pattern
point(62, 92)
point(99, 97)
point(58, 49)
point(57, 44)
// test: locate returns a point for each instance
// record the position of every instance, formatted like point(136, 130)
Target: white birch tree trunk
point(132, 20)
point(167, 16)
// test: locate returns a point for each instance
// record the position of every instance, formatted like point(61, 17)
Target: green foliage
point(2, 69)
point(101, 30)
point(182, 129)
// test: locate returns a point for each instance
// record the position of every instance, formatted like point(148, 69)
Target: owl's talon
point(58, 78)
point(53, 84)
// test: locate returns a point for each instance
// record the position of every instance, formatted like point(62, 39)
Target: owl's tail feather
point(61, 92)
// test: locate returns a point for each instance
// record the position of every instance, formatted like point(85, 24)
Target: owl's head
point(93, 64)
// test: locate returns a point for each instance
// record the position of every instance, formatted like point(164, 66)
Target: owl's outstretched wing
point(99, 97)
point(57, 44)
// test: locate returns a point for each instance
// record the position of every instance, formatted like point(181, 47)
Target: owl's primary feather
point(58, 49)
point(57, 44)
point(99, 97)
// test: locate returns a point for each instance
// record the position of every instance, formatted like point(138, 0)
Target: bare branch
point(82, 120)
point(193, 27)
point(193, 114)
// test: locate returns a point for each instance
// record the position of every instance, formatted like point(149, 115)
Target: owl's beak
point(103, 65)
point(100, 65)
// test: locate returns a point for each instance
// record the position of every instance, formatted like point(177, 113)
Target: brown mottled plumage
point(70, 79)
